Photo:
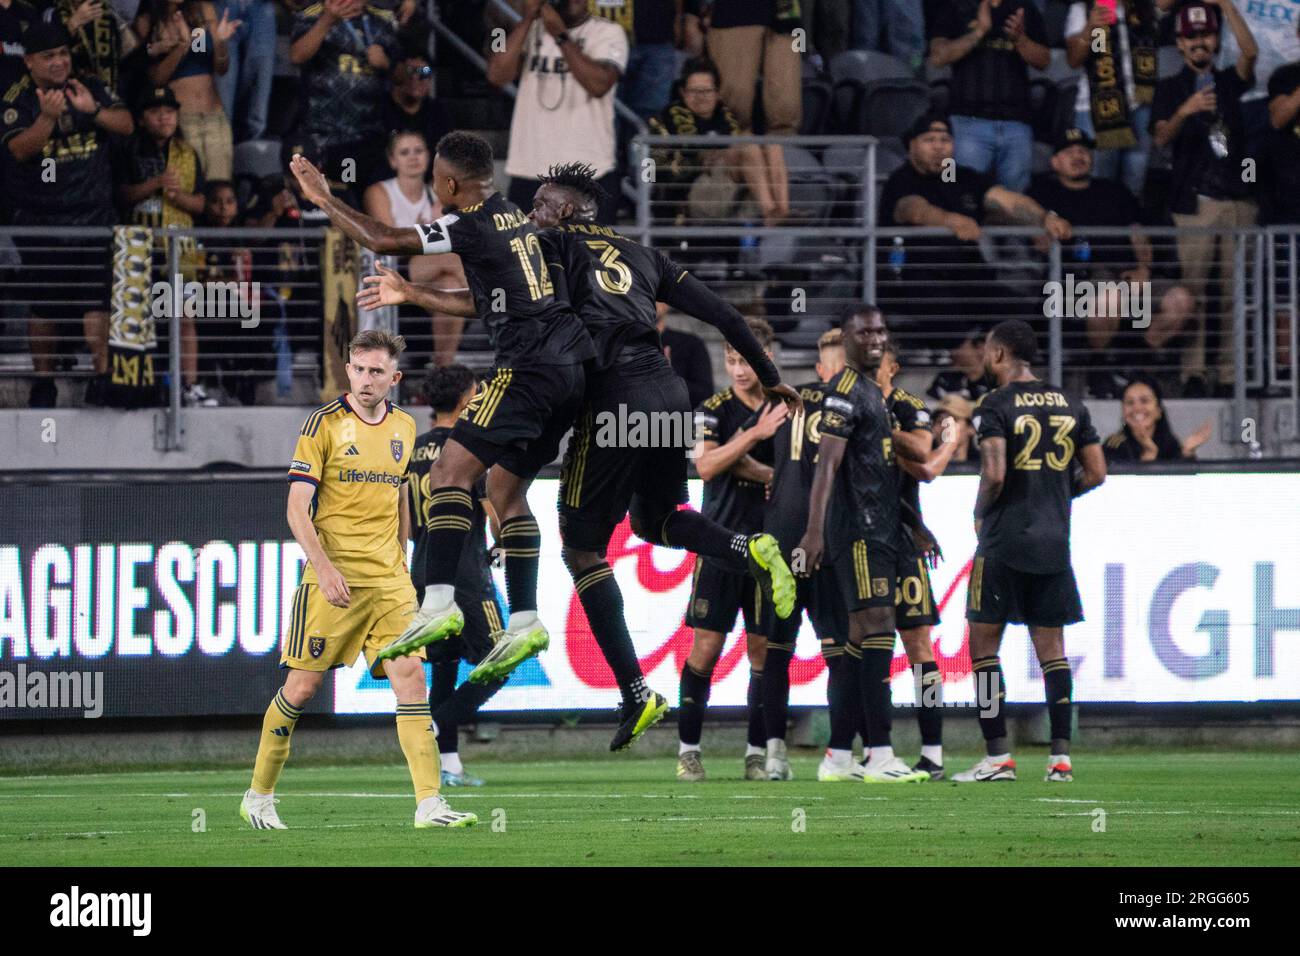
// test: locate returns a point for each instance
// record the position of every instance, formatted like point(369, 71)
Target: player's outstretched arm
point(830, 453)
point(331, 581)
point(913, 445)
point(1093, 473)
point(937, 463)
point(366, 230)
point(388, 287)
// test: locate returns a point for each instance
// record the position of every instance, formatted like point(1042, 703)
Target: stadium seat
point(257, 159)
point(866, 66)
point(890, 107)
point(811, 187)
point(817, 95)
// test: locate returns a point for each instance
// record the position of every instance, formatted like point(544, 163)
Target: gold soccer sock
point(415, 733)
point(273, 750)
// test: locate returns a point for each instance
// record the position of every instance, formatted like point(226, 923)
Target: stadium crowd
point(1064, 114)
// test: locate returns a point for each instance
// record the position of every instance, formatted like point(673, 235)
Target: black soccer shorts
point(520, 415)
point(866, 572)
point(1000, 594)
point(914, 598)
point(819, 595)
point(627, 444)
point(718, 592)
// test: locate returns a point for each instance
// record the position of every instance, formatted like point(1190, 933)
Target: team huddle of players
point(570, 306)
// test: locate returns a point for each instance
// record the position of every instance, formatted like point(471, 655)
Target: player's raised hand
point(311, 180)
point(386, 288)
point(786, 394)
point(333, 586)
point(770, 420)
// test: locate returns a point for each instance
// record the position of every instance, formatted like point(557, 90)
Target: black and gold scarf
point(1111, 117)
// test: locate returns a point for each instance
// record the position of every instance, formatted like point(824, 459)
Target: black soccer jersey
point(511, 284)
point(734, 503)
point(794, 450)
point(910, 414)
point(1028, 527)
point(473, 573)
point(864, 504)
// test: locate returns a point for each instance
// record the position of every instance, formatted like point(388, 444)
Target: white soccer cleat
point(426, 627)
point(258, 811)
point(836, 771)
point(434, 812)
point(778, 763)
point(511, 649)
point(1059, 770)
point(987, 771)
point(892, 770)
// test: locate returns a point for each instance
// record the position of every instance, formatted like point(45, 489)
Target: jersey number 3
point(616, 277)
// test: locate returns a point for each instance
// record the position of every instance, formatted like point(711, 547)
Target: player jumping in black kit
point(864, 542)
point(613, 284)
point(448, 391)
point(518, 419)
point(1038, 450)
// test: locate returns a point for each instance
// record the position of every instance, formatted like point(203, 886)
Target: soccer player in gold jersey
point(350, 512)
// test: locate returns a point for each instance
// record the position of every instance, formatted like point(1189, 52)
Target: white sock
point(1061, 758)
point(451, 763)
point(685, 748)
point(933, 754)
point(772, 743)
point(751, 749)
point(999, 758)
point(520, 620)
point(839, 756)
point(437, 597)
point(881, 754)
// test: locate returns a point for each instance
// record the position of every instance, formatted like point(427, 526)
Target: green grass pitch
point(1177, 809)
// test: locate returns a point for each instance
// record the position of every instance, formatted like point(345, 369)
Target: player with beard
point(518, 419)
point(1038, 450)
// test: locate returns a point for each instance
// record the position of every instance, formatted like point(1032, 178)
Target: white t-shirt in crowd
point(1274, 34)
point(1076, 21)
point(555, 119)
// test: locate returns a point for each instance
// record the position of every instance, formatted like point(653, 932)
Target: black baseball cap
point(1073, 136)
point(926, 124)
point(41, 36)
point(158, 96)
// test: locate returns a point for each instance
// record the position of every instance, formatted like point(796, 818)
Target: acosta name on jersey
point(1053, 399)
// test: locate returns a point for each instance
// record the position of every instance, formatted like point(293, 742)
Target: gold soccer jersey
point(358, 470)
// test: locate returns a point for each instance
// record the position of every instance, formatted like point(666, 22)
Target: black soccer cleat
point(635, 719)
point(935, 770)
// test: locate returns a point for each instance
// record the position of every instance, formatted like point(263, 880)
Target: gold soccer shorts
point(321, 636)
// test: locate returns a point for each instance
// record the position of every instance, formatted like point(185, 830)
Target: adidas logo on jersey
point(352, 450)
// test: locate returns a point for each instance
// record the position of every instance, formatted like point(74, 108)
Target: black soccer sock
point(844, 723)
point(776, 690)
point(754, 700)
point(603, 601)
point(441, 689)
point(451, 515)
point(521, 540)
point(694, 696)
point(693, 532)
point(929, 713)
point(990, 696)
point(1058, 681)
point(853, 691)
point(877, 705)
point(461, 707)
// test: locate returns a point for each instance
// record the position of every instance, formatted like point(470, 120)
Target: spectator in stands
point(944, 284)
point(245, 87)
point(688, 355)
point(749, 39)
point(345, 49)
point(1101, 343)
point(967, 378)
point(1273, 27)
point(187, 51)
point(1113, 103)
point(404, 200)
point(15, 17)
point(101, 39)
point(1146, 435)
point(705, 183)
point(567, 63)
point(409, 105)
point(159, 175)
point(1284, 145)
point(652, 27)
point(1198, 113)
point(899, 21)
point(53, 114)
point(990, 45)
